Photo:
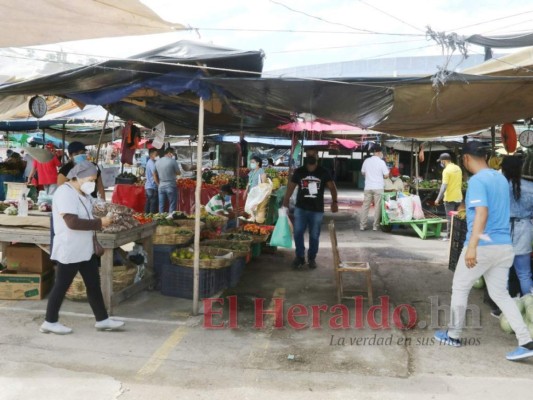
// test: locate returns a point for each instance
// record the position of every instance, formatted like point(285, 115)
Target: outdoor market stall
point(35, 229)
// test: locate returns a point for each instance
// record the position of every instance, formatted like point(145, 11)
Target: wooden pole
point(411, 157)
point(63, 134)
point(101, 136)
point(416, 172)
point(493, 140)
point(197, 207)
point(428, 162)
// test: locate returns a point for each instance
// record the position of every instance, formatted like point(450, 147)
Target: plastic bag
point(392, 210)
point(257, 195)
point(405, 204)
point(282, 234)
point(418, 212)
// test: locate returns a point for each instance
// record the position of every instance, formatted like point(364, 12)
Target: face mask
point(80, 158)
point(394, 178)
point(442, 165)
point(253, 165)
point(311, 160)
point(88, 187)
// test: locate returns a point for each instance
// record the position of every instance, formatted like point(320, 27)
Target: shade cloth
point(30, 23)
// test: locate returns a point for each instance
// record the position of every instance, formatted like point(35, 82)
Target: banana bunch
point(495, 163)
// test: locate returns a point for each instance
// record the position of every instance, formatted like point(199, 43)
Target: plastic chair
point(341, 267)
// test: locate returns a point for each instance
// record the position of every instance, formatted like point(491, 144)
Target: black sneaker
point(312, 264)
point(298, 263)
point(496, 313)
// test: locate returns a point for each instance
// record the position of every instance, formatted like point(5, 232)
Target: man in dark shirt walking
point(311, 180)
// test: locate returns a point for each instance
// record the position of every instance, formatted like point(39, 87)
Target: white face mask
point(88, 187)
point(253, 165)
point(394, 178)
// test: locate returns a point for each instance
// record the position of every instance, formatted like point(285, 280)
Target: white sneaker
point(55, 327)
point(375, 228)
point(108, 325)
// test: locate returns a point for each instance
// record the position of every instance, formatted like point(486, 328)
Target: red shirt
point(47, 173)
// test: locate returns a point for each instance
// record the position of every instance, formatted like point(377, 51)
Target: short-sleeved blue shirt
point(489, 188)
point(150, 169)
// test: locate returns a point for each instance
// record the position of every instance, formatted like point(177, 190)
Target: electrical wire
point(366, 31)
point(105, 58)
point(490, 21)
point(304, 31)
point(512, 25)
point(343, 47)
point(392, 16)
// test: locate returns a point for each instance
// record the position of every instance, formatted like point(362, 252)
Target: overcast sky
point(248, 25)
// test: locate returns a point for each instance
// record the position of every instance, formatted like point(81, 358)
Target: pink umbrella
point(317, 126)
point(346, 143)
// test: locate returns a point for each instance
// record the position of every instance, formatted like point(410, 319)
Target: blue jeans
point(302, 220)
point(522, 266)
point(151, 201)
point(169, 193)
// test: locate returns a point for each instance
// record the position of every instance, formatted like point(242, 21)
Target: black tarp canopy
point(165, 85)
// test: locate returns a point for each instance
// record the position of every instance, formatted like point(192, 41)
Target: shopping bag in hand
point(282, 234)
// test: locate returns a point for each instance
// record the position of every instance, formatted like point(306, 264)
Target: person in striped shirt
point(220, 204)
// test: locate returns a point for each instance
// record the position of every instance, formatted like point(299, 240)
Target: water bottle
point(23, 206)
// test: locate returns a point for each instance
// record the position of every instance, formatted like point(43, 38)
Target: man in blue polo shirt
point(488, 251)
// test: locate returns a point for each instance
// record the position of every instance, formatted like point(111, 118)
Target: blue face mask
point(80, 158)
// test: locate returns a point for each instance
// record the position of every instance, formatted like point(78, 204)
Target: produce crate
point(256, 249)
point(227, 245)
point(161, 257)
point(177, 281)
point(457, 240)
point(123, 277)
point(223, 258)
point(235, 271)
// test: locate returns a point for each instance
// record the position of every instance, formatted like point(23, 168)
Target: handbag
point(98, 248)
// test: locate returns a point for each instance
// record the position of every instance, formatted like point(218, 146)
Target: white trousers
point(493, 263)
point(370, 195)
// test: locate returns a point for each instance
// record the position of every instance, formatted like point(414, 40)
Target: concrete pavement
point(166, 354)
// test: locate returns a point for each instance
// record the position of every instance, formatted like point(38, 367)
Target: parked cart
point(430, 226)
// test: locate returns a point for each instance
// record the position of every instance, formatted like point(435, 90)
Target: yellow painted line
point(162, 353)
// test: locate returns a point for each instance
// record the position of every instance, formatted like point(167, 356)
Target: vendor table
point(134, 197)
point(109, 241)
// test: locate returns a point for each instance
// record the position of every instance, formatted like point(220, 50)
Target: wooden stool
point(340, 267)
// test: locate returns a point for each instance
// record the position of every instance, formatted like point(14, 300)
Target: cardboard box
point(27, 258)
point(17, 286)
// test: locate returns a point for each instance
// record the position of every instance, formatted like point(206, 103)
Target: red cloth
point(47, 172)
point(134, 197)
point(131, 196)
point(186, 198)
